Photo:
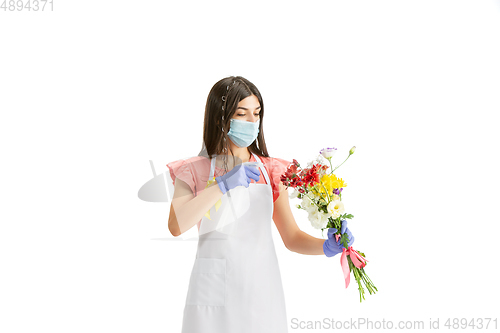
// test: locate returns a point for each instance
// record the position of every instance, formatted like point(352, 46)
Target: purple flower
point(328, 152)
point(337, 190)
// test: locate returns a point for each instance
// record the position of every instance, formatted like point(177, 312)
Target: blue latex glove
point(239, 175)
point(331, 247)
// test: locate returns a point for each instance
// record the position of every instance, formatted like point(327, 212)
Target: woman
point(235, 283)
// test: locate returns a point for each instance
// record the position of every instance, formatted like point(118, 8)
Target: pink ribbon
point(356, 259)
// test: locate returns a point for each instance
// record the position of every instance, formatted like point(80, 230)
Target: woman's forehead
point(250, 102)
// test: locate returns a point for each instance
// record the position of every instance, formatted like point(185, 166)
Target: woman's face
point(248, 109)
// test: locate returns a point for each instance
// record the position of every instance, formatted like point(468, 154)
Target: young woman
point(235, 283)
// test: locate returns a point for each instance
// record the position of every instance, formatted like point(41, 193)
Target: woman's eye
point(257, 114)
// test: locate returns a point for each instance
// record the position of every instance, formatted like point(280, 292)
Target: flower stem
point(327, 194)
point(341, 164)
point(356, 274)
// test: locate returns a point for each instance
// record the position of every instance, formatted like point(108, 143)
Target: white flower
point(318, 219)
point(335, 214)
point(319, 160)
point(294, 194)
point(328, 152)
point(335, 208)
point(308, 205)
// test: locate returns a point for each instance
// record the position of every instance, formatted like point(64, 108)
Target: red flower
point(296, 177)
point(292, 176)
point(311, 176)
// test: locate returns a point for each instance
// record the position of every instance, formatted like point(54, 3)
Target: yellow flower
point(331, 182)
point(328, 182)
point(217, 204)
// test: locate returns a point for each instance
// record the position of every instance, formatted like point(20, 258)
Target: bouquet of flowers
point(321, 194)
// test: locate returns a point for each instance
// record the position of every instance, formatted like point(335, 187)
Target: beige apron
point(235, 284)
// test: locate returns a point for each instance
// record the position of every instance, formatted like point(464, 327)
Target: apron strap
point(212, 168)
point(263, 169)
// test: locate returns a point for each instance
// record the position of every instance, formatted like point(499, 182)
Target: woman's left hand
point(333, 247)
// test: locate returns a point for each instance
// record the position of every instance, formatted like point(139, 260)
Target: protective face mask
point(243, 133)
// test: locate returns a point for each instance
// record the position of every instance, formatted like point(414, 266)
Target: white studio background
point(94, 90)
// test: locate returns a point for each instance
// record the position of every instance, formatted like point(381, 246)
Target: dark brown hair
point(215, 140)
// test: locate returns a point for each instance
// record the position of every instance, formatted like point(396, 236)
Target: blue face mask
point(243, 133)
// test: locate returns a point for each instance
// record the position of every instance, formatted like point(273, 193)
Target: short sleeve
point(182, 170)
point(278, 167)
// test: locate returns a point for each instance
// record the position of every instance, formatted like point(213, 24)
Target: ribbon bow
point(356, 258)
point(217, 204)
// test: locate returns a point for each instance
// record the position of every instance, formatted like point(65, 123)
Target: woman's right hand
point(241, 174)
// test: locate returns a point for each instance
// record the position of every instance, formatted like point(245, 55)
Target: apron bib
point(235, 284)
